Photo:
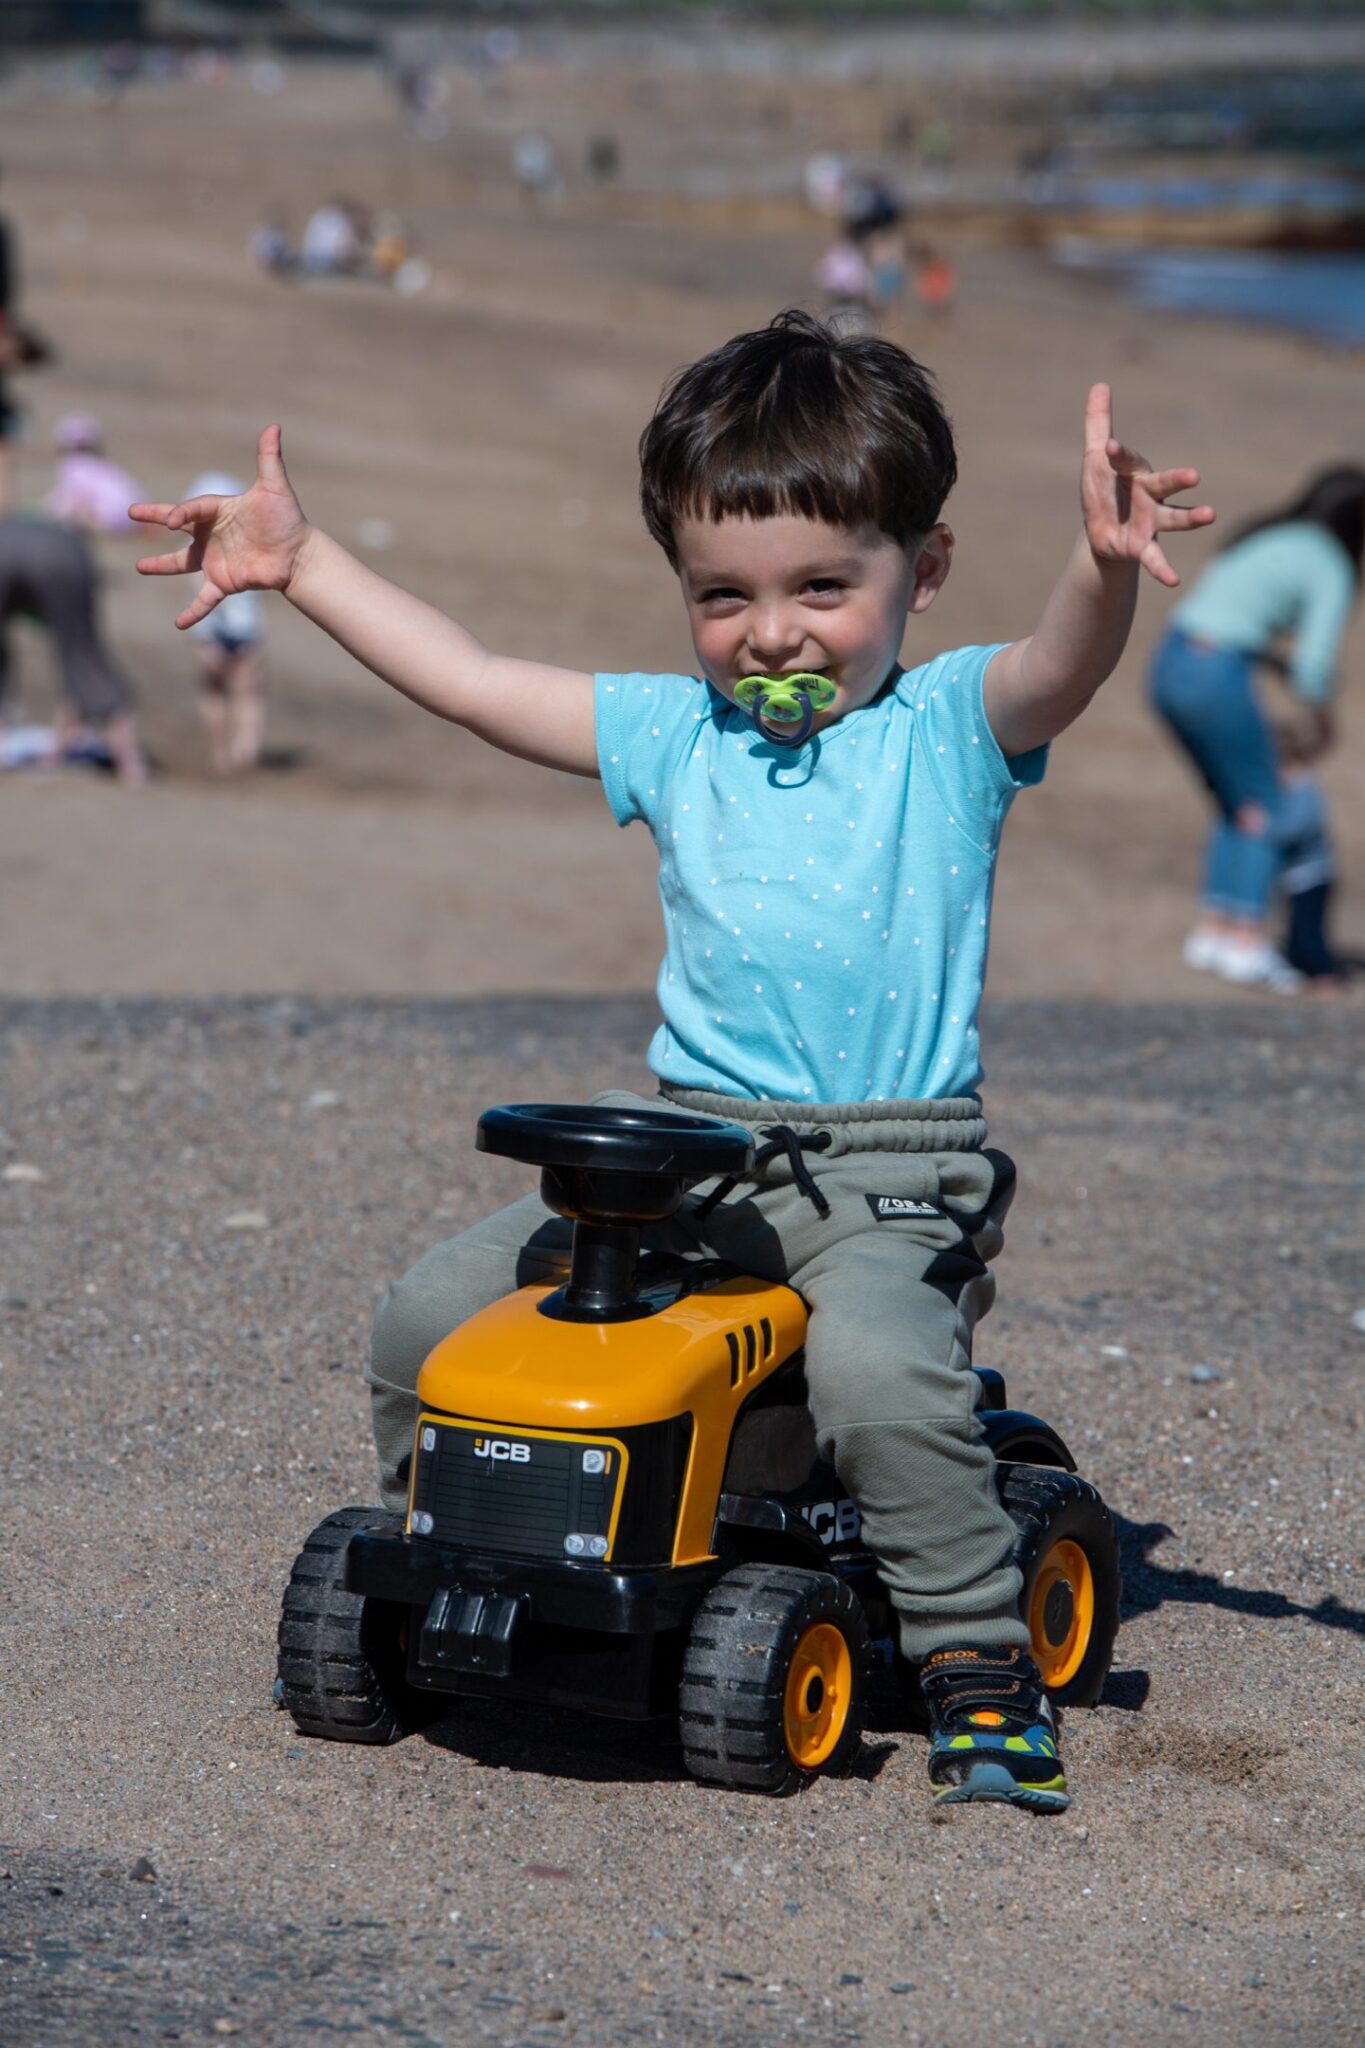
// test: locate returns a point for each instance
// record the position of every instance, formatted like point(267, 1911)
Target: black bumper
point(517, 1628)
point(411, 1569)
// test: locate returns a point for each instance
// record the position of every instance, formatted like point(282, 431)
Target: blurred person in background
point(332, 243)
point(844, 275)
point(935, 282)
point(269, 245)
point(11, 356)
point(391, 248)
point(1279, 595)
point(90, 490)
point(46, 574)
point(602, 158)
point(862, 273)
point(1309, 875)
point(228, 644)
point(535, 167)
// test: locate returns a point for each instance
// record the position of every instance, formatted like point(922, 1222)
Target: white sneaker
point(1203, 950)
point(1256, 964)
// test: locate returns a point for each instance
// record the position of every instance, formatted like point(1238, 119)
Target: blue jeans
point(1205, 695)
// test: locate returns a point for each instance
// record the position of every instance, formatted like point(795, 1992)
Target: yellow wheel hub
point(816, 1701)
point(1061, 1612)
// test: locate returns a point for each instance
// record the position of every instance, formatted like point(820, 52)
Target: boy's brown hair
point(797, 418)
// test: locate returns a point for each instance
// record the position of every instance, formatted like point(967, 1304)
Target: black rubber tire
point(1046, 1505)
point(341, 1659)
point(735, 1673)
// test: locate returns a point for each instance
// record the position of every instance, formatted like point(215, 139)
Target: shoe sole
point(994, 1783)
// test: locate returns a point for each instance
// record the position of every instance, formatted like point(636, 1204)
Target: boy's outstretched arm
point(1036, 687)
point(262, 541)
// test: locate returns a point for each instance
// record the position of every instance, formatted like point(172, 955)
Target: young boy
point(826, 910)
point(229, 640)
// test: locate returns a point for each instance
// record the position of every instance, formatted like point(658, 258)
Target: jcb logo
point(834, 1521)
point(500, 1447)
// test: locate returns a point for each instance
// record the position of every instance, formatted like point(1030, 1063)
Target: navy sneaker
point(992, 1735)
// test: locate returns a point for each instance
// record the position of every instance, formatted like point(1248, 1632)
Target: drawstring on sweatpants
point(781, 1138)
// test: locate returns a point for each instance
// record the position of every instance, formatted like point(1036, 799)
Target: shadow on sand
point(1148, 1585)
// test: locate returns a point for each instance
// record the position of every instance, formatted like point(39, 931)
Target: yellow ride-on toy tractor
point(616, 1502)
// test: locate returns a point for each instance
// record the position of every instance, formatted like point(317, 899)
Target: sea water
point(1300, 139)
point(1317, 294)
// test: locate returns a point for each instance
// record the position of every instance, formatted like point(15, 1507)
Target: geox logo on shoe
point(884, 1207)
point(500, 1447)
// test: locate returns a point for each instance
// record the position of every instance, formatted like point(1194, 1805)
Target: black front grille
point(491, 1489)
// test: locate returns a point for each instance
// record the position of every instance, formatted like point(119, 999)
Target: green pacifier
point(784, 707)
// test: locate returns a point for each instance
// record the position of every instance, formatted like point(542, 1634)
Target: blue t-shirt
point(826, 907)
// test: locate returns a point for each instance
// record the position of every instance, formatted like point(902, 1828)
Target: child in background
point(231, 694)
point(90, 491)
point(1308, 871)
point(935, 282)
point(845, 277)
point(269, 245)
point(825, 904)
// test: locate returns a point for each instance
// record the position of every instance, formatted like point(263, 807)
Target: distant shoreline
point(1023, 50)
point(923, 42)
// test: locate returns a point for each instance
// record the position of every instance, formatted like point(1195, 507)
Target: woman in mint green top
point(1280, 594)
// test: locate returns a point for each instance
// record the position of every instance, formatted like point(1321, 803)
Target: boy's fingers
point(207, 598)
point(1125, 460)
point(1181, 518)
point(170, 565)
point(270, 456)
point(1164, 483)
point(1154, 561)
point(195, 512)
point(151, 515)
point(1099, 418)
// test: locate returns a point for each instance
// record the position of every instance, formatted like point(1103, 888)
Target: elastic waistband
point(954, 1124)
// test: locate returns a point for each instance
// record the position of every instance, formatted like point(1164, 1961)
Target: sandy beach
point(485, 433)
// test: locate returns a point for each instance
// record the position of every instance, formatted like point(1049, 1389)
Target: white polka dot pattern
point(793, 961)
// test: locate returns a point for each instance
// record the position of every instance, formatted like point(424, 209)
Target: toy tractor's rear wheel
point(341, 1659)
point(772, 1681)
point(1069, 1556)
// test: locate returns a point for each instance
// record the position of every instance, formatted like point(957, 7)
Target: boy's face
point(776, 596)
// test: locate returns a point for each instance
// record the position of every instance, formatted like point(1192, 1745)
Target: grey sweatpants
point(893, 1294)
point(47, 569)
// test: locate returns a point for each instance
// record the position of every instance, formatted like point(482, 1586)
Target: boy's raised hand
point(248, 543)
point(1124, 499)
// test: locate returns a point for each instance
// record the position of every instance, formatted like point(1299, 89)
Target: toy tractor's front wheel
point(341, 1660)
point(772, 1680)
point(1069, 1556)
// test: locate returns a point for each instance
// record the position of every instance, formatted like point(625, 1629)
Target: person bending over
point(1280, 595)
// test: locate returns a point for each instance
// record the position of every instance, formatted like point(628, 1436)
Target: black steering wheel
point(635, 1141)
